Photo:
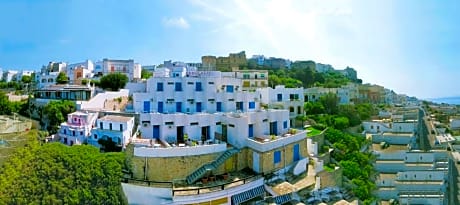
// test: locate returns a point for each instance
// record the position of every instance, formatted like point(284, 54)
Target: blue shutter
point(159, 86)
point(160, 107)
point(277, 157)
point(252, 105)
point(198, 107)
point(146, 106)
point(156, 132)
point(229, 88)
point(296, 152)
point(198, 86)
point(280, 97)
point(178, 106)
point(178, 87)
point(251, 130)
point(285, 124)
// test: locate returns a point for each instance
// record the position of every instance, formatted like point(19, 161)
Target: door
point(219, 106)
point(224, 132)
point(146, 106)
point(198, 107)
point(273, 128)
point(180, 134)
point(255, 162)
point(205, 133)
point(160, 107)
point(178, 106)
point(251, 131)
point(296, 156)
point(156, 132)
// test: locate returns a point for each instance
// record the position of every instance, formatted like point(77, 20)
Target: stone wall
point(329, 179)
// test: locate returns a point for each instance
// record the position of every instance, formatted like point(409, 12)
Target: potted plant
point(225, 176)
point(204, 180)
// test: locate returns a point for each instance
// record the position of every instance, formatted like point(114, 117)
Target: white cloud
point(179, 22)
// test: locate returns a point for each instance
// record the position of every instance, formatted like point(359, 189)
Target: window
point(159, 86)
point(285, 124)
point(178, 87)
point(95, 136)
point(277, 157)
point(110, 126)
point(211, 83)
point(101, 125)
point(219, 106)
point(252, 105)
point(121, 127)
point(81, 133)
point(193, 123)
point(279, 97)
point(250, 130)
point(198, 87)
point(178, 106)
point(299, 110)
point(229, 88)
point(231, 125)
point(169, 123)
point(65, 131)
point(291, 109)
point(73, 133)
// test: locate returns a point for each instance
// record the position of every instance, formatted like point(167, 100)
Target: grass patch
point(312, 131)
point(329, 167)
point(15, 141)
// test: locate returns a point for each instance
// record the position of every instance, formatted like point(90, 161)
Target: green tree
point(330, 102)
point(145, 74)
point(62, 78)
point(57, 174)
point(341, 123)
point(313, 108)
point(55, 112)
point(113, 81)
point(26, 79)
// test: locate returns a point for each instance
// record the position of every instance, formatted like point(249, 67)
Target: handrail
point(223, 186)
point(148, 182)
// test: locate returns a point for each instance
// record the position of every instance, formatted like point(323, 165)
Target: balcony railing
point(266, 143)
point(213, 188)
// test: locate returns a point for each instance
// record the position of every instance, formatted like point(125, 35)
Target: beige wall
point(331, 178)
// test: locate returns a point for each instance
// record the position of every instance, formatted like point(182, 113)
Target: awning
point(248, 195)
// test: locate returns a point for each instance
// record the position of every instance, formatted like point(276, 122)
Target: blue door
point(160, 107)
point(146, 106)
point(198, 107)
point(251, 130)
point(156, 132)
point(274, 128)
point(219, 107)
point(178, 106)
point(296, 152)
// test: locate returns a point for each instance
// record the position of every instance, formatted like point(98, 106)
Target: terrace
point(269, 142)
point(215, 183)
point(161, 148)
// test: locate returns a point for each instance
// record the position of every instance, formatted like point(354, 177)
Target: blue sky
point(410, 46)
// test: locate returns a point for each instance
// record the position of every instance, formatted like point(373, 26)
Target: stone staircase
point(207, 168)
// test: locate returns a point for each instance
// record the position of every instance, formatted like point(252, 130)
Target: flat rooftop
point(402, 134)
point(116, 118)
point(389, 149)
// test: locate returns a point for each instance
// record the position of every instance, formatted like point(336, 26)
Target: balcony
point(270, 142)
point(161, 148)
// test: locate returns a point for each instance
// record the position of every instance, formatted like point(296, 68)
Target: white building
point(280, 97)
point(78, 71)
point(77, 129)
point(118, 129)
point(10, 75)
point(23, 73)
point(127, 67)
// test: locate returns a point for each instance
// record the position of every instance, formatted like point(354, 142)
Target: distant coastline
point(448, 100)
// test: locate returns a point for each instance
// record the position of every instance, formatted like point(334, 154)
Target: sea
point(447, 100)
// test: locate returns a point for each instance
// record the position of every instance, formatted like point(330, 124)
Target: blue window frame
point(285, 124)
point(252, 105)
point(198, 87)
point(219, 106)
point(178, 87)
point(239, 106)
point(178, 106)
point(279, 97)
point(146, 106)
point(229, 88)
point(159, 86)
point(277, 157)
point(296, 152)
point(160, 107)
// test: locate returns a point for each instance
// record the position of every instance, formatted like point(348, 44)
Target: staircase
point(207, 168)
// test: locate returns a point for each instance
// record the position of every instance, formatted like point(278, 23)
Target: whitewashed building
point(77, 129)
point(115, 128)
point(78, 71)
point(127, 67)
point(280, 97)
